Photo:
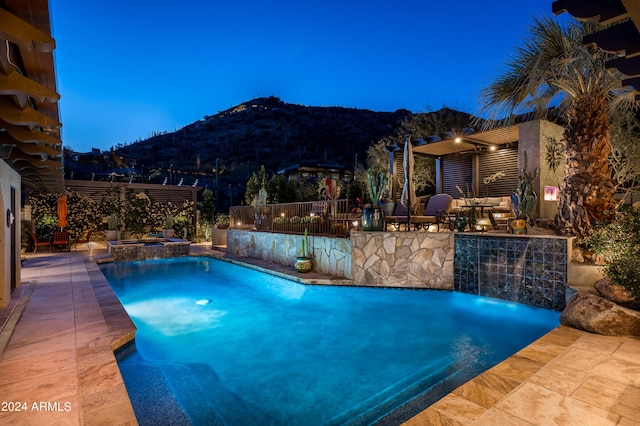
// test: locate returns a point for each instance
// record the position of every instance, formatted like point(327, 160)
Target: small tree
point(138, 213)
point(257, 181)
point(282, 190)
point(208, 206)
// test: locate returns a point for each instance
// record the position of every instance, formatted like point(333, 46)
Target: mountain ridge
point(270, 132)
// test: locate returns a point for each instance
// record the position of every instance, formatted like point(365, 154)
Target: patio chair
point(38, 243)
point(84, 240)
point(61, 239)
point(435, 212)
point(398, 218)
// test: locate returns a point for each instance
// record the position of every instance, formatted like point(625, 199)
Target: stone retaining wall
point(403, 259)
point(331, 256)
point(526, 269)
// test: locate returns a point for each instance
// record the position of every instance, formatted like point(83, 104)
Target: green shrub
point(619, 244)
point(81, 213)
point(46, 225)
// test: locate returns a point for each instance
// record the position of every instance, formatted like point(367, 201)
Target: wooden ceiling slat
point(604, 11)
point(16, 84)
point(23, 134)
point(30, 133)
point(24, 35)
point(628, 66)
point(622, 38)
point(12, 114)
point(32, 148)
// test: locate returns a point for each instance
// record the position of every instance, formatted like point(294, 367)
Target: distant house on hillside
point(316, 171)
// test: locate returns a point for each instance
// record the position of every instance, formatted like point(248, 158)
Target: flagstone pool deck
point(62, 326)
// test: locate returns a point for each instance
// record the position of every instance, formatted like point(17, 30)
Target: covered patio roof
point(29, 117)
point(466, 140)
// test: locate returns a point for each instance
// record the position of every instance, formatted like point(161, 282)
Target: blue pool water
point(222, 344)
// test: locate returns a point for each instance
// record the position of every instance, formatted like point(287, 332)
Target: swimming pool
point(222, 344)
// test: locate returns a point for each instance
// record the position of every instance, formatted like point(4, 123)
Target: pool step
point(231, 407)
point(386, 400)
point(170, 393)
point(151, 396)
point(200, 407)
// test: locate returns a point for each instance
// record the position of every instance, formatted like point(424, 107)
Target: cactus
point(113, 222)
point(305, 244)
point(168, 222)
point(527, 199)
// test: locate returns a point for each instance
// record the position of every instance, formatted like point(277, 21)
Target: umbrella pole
point(408, 195)
point(409, 208)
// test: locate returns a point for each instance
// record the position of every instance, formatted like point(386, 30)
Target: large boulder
point(595, 314)
point(608, 289)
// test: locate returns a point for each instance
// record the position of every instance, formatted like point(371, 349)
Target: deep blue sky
point(128, 68)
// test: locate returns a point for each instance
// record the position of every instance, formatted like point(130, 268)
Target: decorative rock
point(608, 289)
point(576, 255)
point(588, 312)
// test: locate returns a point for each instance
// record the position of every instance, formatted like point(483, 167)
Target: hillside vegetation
point(270, 132)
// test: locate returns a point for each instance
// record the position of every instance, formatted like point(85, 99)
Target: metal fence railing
point(317, 217)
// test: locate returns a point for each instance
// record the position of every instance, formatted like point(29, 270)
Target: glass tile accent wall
point(529, 270)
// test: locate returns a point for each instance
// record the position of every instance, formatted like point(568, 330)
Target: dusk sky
point(128, 68)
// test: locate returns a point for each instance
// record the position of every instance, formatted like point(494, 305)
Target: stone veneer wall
point(531, 270)
point(403, 259)
point(331, 256)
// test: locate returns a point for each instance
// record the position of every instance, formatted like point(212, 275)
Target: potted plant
point(523, 201)
point(373, 215)
point(387, 206)
point(303, 262)
point(113, 225)
point(167, 231)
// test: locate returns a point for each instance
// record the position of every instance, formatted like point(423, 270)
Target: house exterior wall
point(9, 179)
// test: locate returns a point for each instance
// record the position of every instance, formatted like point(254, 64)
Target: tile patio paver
point(61, 351)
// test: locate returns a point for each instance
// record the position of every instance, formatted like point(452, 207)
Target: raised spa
point(147, 248)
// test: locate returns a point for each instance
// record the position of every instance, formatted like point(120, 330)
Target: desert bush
point(618, 243)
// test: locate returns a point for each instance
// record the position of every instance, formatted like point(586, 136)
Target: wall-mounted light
point(10, 218)
point(551, 193)
point(458, 140)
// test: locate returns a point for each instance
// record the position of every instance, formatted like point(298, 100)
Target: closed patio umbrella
point(408, 197)
point(62, 212)
point(331, 190)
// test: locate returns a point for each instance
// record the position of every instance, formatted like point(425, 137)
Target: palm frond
point(551, 67)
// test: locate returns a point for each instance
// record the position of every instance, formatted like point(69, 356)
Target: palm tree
point(553, 67)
